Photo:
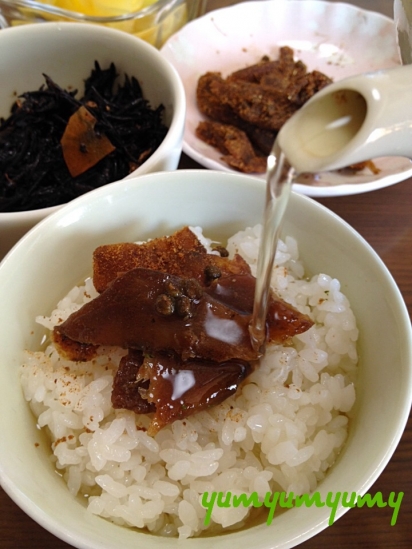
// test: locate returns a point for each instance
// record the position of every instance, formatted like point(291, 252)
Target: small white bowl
point(56, 254)
point(66, 52)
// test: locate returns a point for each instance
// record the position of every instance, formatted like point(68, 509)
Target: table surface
point(384, 219)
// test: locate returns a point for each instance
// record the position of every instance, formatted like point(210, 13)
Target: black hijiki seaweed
point(33, 172)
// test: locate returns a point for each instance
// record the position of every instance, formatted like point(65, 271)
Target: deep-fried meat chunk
point(314, 82)
point(257, 100)
point(209, 103)
point(234, 144)
point(260, 106)
point(180, 254)
point(212, 107)
point(280, 73)
point(161, 254)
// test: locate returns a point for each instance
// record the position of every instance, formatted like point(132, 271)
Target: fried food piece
point(284, 75)
point(257, 100)
point(367, 164)
point(72, 349)
point(210, 105)
point(234, 144)
point(314, 82)
point(278, 73)
point(161, 254)
point(260, 106)
point(181, 254)
point(219, 98)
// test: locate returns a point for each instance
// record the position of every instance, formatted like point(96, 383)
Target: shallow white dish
point(40, 269)
point(336, 38)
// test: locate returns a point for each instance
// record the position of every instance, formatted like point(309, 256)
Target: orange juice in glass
point(151, 20)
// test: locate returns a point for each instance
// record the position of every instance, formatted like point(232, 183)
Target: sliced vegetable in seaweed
point(55, 147)
point(82, 146)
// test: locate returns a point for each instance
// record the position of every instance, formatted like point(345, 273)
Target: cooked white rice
point(281, 432)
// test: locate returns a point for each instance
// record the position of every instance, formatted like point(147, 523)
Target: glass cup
point(152, 20)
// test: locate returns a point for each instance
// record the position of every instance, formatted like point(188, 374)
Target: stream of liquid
point(280, 175)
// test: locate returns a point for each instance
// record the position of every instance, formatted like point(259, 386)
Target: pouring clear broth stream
point(351, 121)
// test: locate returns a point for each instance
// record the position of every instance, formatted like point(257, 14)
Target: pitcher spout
point(353, 120)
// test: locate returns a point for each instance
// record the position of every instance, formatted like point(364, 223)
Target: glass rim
point(163, 5)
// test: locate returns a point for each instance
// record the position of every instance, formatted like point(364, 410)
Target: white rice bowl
point(294, 426)
point(281, 432)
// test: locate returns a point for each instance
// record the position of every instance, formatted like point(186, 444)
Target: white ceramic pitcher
point(402, 13)
point(359, 118)
point(350, 121)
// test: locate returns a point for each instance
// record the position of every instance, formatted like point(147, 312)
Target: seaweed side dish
point(55, 147)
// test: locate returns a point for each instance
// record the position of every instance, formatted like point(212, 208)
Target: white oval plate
point(335, 38)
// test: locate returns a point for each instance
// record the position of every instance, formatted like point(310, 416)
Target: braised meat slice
point(154, 312)
point(183, 255)
point(186, 329)
point(283, 321)
point(173, 389)
point(129, 390)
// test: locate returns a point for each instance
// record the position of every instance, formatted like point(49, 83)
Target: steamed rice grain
point(282, 431)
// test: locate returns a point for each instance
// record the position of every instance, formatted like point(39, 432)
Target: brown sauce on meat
point(162, 384)
point(188, 339)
